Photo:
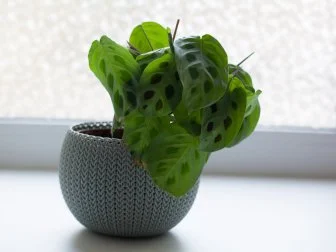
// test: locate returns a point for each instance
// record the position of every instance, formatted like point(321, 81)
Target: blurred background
point(44, 44)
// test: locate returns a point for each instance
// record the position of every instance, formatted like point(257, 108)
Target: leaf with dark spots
point(140, 130)
point(174, 160)
point(221, 125)
point(114, 66)
point(162, 82)
point(202, 66)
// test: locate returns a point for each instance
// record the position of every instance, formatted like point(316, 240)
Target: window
point(44, 71)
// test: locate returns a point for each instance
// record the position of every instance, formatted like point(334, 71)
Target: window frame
point(27, 144)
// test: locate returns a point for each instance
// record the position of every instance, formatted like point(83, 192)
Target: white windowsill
point(229, 214)
point(285, 152)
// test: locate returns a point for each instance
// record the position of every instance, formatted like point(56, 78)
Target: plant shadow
point(87, 241)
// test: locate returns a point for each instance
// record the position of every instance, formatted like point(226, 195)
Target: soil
point(118, 133)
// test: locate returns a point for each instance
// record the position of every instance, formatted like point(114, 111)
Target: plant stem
point(241, 62)
point(175, 30)
point(115, 125)
point(171, 44)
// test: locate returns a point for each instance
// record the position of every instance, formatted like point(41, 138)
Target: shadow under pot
point(108, 193)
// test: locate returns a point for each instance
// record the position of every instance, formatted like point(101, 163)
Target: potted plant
point(175, 102)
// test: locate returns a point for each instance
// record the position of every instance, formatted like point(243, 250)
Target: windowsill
point(230, 214)
point(280, 151)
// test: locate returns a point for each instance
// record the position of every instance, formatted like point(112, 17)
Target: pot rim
point(92, 125)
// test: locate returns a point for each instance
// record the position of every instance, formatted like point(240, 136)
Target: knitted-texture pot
point(108, 193)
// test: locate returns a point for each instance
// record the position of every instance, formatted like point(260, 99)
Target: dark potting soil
point(118, 133)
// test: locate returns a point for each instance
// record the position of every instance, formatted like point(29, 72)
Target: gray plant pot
point(108, 193)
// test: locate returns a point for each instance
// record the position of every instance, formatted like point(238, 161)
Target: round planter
point(108, 193)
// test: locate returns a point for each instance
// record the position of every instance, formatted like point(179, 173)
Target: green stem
point(115, 125)
point(171, 43)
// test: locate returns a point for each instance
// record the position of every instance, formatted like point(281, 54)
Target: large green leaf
point(248, 126)
point(117, 70)
point(223, 119)
point(140, 130)
point(149, 36)
point(159, 91)
point(174, 160)
point(203, 69)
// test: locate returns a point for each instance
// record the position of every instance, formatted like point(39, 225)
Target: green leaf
point(252, 111)
point(245, 78)
point(251, 102)
point(248, 126)
point(242, 75)
point(117, 70)
point(146, 58)
point(190, 122)
point(159, 91)
point(174, 160)
point(149, 36)
point(223, 119)
point(203, 68)
point(140, 130)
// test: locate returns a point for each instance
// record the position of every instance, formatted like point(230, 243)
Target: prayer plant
point(175, 100)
